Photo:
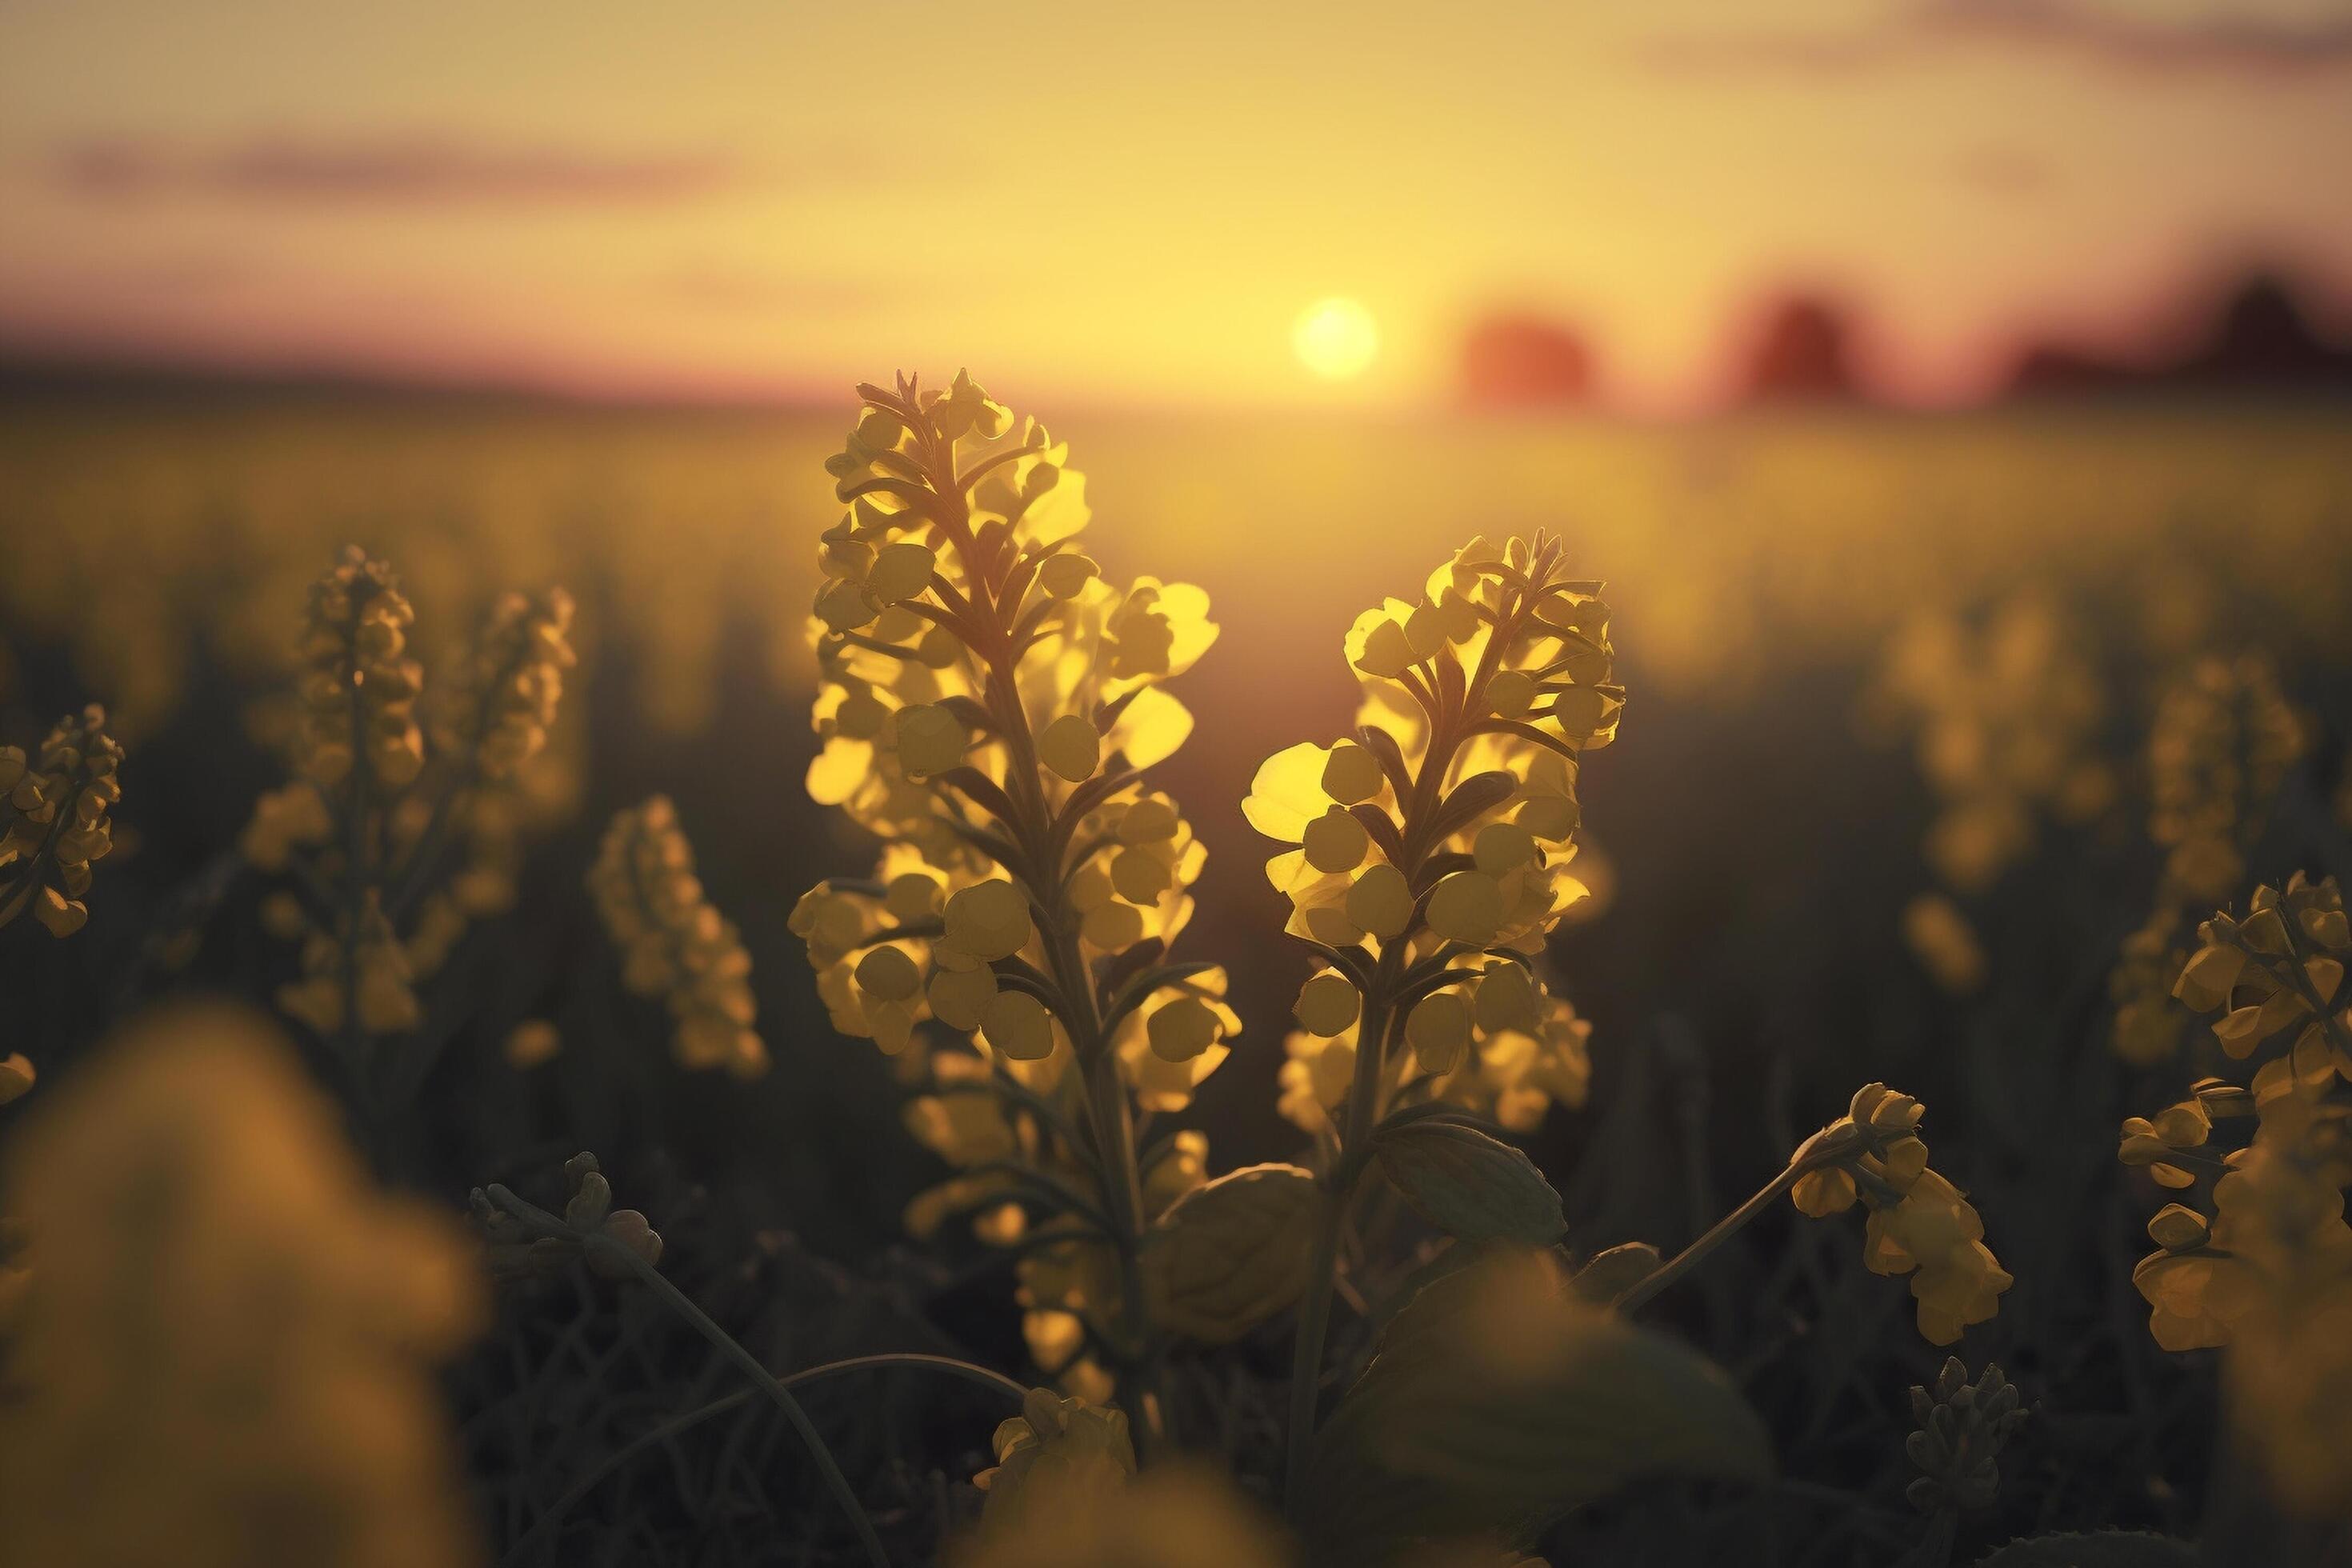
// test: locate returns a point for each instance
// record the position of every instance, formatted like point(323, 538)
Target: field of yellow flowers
point(1173, 989)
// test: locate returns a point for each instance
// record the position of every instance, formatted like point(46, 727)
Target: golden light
point(1335, 339)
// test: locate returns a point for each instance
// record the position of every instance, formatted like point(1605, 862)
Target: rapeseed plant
point(2255, 1253)
point(2004, 713)
point(362, 833)
point(1919, 1225)
point(1432, 858)
point(2223, 741)
point(988, 705)
point(53, 820)
point(674, 945)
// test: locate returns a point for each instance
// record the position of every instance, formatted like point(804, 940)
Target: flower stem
point(762, 1377)
point(587, 1483)
point(1322, 1267)
point(1691, 1256)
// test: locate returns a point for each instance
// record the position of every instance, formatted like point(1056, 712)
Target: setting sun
point(1335, 339)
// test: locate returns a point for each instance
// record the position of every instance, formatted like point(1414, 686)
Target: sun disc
point(1335, 339)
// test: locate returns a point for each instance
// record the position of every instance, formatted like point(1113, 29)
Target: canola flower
point(674, 945)
point(219, 1338)
point(53, 823)
point(2223, 741)
point(359, 835)
point(1431, 862)
point(1919, 1223)
point(2005, 712)
point(2253, 1254)
point(989, 701)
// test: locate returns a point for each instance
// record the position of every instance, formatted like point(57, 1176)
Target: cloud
point(753, 291)
point(420, 170)
point(2217, 44)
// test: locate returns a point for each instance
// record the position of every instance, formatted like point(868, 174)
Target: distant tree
point(1521, 361)
point(1803, 355)
point(2261, 339)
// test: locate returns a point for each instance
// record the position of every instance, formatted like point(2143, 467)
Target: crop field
point(502, 780)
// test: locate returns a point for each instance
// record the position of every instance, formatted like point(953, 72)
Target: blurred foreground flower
point(1180, 1516)
point(221, 1353)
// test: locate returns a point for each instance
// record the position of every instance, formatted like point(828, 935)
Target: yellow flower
point(512, 684)
point(359, 688)
point(1328, 1003)
point(187, 1175)
point(2005, 716)
point(530, 1043)
point(674, 945)
point(1945, 944)
point(53, 821)
point(988, 701)
point(1919, 1223)
point(1440, 834)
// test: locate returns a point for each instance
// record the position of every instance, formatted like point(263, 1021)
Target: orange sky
point(1135, 203)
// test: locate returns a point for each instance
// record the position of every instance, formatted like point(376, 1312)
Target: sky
point(1139, 203)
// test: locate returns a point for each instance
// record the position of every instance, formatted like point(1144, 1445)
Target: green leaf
point(2098, 1549)
point(1228, 1255)
point(1469, 1184)
point(1497, 1403)
point(1610, 1273)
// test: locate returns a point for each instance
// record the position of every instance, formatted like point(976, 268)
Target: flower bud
point(1327, 1004)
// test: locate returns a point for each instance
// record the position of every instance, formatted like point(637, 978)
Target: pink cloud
point(422, 169)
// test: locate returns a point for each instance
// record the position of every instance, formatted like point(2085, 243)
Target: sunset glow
point(1107, 204)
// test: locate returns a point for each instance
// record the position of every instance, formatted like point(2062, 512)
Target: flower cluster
point(1433, 844)
point(1920, 1224)
point(1499, 1044)
point(264, 1391)
point(511, 683)
point(358, 686)
point(53, 820)
point(2223, 741)
point(2005, 715)
point(2264, 1208)
point(368, 959)
point(2268, 1274)
point(364, 829)
point(988, 705)
point(674, 945)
